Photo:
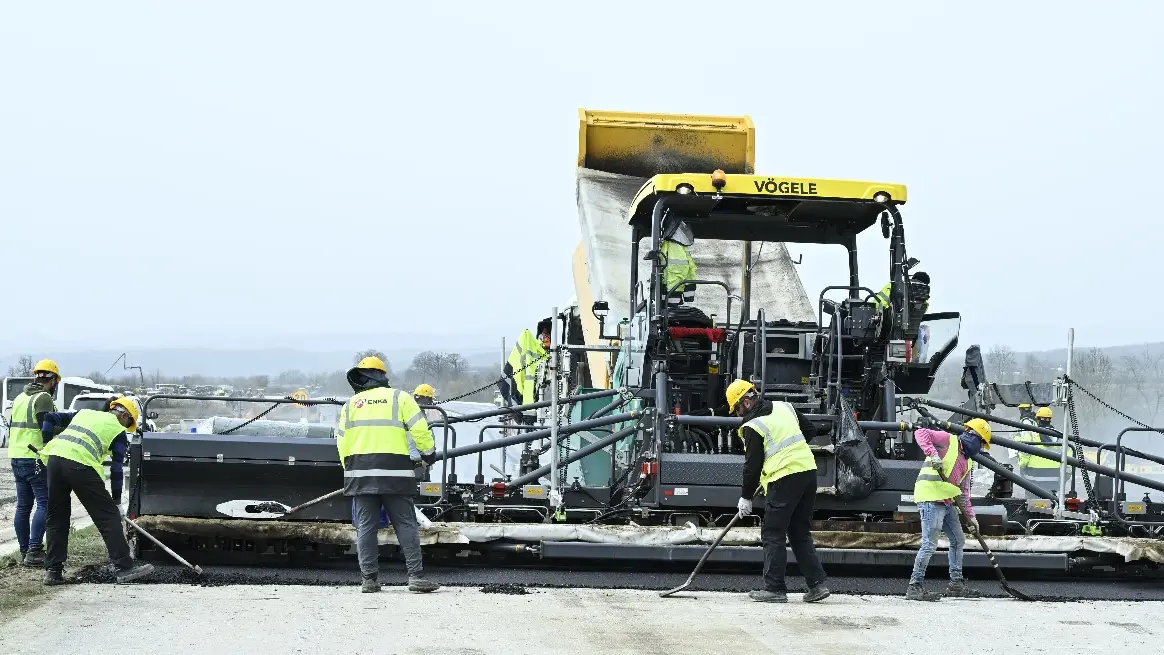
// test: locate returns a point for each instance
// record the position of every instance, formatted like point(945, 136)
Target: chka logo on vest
point(359, 403)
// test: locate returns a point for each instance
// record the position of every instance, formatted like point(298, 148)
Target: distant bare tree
point(1145, 375)
point(98, 377)
point(1000, 363)
point(1096, 372)
point(22, 368)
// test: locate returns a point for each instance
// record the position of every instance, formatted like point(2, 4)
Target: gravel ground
point(464, 621)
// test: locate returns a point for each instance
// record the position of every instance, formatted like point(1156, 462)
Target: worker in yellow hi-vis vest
point(780, 466)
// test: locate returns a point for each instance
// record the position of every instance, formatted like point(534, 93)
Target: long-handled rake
point(731, 523)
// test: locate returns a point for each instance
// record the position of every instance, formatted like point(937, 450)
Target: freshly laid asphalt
point(392, 573)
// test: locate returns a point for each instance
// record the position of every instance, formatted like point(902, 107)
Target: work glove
point(972, 523)
point(744, 506)
point(935, 462)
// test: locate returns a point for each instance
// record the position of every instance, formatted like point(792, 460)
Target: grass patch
point(22, 586)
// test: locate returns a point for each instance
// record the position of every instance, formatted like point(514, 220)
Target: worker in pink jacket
point(944, 477)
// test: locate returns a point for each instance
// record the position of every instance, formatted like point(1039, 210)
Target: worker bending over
point(937, 506)
point(780, 466)
point(75, 452)
point(678, 266)
point(381, 437)
point(517, 383)
point(28, 410)
point(1040, 470)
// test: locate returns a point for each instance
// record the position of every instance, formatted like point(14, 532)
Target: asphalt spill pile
point(504, 588)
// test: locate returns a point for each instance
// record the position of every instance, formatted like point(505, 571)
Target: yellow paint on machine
point(599, 373)
point(765, 185)
point(646, 144)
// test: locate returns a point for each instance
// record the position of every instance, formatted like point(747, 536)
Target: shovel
point(731, 523)
point(267, 509)
point(960, 503)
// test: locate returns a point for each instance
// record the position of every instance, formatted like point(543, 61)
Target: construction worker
point(882, 297)
point(936, 505)
point(28, 410)
point(425, 395)
point(382, 436)
point(677, 262)
point(780, 466)
point(517, 382)
point(1039, 470)
point(75, 459)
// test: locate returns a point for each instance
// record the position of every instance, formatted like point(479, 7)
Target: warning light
point(1073, 504)
point(650, 468)
point(718, 179)
point(498, 489)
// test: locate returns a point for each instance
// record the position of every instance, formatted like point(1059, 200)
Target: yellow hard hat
point(982, 428)
point(130, 407)
point(425, 390)
point(46, 366)
point(374, 363)
point(1044, 412)
point(736, 390)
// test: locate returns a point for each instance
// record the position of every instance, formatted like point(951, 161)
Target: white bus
point(69, 388)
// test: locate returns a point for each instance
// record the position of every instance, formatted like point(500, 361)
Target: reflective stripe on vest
point(87, 440)
point(374, 439)
point(929, 486)
point(785, 450)
point(23, 429)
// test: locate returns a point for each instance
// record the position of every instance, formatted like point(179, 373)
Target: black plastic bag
point(859, 473)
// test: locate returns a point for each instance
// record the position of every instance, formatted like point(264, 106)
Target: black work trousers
point(788, 505)
point(67, 477)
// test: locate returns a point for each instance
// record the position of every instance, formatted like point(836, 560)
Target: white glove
point(973, 523)
point(745, 506)
point(935, 462)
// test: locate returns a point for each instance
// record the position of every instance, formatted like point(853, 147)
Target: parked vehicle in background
point(67, 391)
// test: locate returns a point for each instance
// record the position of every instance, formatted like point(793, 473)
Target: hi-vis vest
point(1027, 460)
point(785, 450)
point(930, 486)
point(523, 360)
point(375, 435)
point(679, 265)
point(882, 298)
point(23, 428)
point(87, 440)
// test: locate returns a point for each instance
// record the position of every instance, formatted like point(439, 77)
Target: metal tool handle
point(159, 544)
point(315, 501)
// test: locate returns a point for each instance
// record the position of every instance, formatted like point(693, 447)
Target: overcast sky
point(253, 171)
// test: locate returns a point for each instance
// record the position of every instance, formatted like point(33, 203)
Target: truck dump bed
point(617, 153)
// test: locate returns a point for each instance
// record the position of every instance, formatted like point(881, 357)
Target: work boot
point(958, 589)
point(765, 596)
point(34, 557)
point(370, 585)
point(421, 584)
point(915, 592)
point(817, 594)
point(53, 577)
point(133, 572)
